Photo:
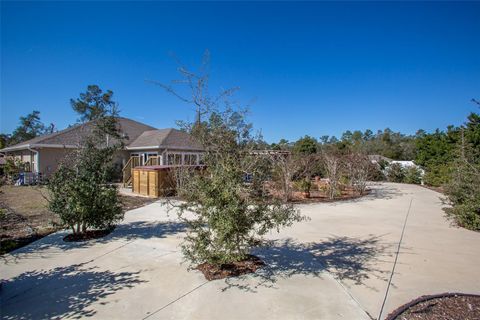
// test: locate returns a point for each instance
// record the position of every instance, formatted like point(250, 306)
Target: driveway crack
point(396, 259)
point(172, 302)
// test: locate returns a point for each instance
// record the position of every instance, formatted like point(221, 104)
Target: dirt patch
point(24, 216)
point(88, 235)
point(214, 272)
point(440, 307)
point(131, 202)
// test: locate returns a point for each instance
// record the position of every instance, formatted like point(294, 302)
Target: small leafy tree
point(230, 214)
point(463, 188)
point(79, 190)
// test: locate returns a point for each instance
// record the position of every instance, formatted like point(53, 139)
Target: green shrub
point(413, 175)
point(466, 215)
point(395, 173)
point(438, 175)
point(80, 193)
point(303, 185)
point(463, 193)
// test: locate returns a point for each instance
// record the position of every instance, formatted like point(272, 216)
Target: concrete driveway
point(335, 266)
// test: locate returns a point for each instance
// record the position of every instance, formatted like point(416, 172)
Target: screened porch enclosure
point(165, 158)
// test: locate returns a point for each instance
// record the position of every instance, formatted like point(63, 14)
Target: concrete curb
point(401, 309)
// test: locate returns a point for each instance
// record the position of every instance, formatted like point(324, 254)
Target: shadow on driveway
point(61, 292)
point(345, 258)
point(54, 244)
point(377, 191)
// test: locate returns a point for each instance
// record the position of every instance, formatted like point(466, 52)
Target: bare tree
point(284, 168)
point(196, 83)
point(332, 168)
point(358, 167)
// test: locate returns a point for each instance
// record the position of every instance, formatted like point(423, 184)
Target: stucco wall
point(121, 158)
point(50, 159)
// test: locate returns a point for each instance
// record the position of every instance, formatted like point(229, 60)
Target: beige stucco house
point(144, 145)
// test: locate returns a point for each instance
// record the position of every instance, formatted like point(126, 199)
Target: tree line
point(435, 151)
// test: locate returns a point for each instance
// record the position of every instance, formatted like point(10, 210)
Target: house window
point(148, 155)
point(174, 159)
point(190, 159)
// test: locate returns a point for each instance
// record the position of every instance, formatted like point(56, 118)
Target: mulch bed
point(88, 235)
point(318, 193)
point(437, 189)
point(445, 306)
point(214, 272)
point(316, 196)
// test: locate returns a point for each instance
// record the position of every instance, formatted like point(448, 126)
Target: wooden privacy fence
point(153, 181)
point(157, 181)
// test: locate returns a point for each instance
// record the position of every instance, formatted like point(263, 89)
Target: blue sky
point(304, 68)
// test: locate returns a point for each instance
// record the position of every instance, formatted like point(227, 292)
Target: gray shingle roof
point(165, 138)
point(136, 132)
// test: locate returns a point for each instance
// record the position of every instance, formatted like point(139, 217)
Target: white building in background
point(406, 164)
